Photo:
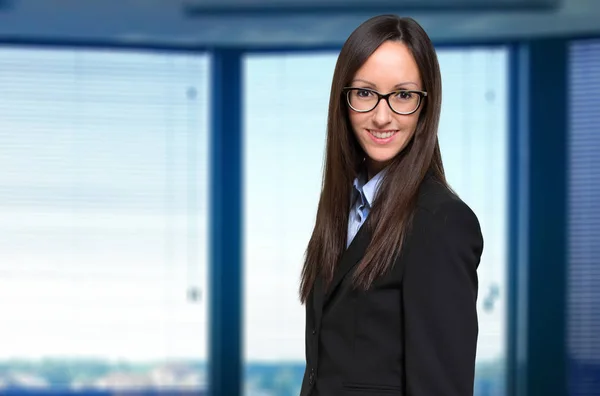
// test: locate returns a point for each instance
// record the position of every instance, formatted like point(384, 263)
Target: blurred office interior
point(160, 166)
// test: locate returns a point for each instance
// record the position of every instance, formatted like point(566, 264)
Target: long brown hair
point(395, 202)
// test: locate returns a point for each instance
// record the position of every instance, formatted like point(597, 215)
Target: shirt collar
point(368, 189)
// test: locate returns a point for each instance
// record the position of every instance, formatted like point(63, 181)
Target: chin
point(381, 157)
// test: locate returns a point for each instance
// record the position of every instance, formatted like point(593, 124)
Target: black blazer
point(414, 332)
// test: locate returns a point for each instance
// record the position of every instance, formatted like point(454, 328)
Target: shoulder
point(434, 194)
point(436, 201)
point(444, 219)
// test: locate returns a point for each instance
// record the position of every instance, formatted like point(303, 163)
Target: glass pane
point(284, 146)
point(283, 160)
point(102, 219)
point(473, 138)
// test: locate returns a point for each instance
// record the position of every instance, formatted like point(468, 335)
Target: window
point(584, 218)
point(473, 140)
point(284, 147)
point(102, 219)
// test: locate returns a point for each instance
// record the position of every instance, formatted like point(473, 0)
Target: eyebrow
point(397, 86)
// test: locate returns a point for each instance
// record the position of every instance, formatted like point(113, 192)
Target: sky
point(103, 196)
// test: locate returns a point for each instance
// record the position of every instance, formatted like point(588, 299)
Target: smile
point(382, 136)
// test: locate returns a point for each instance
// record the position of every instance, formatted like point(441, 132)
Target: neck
point(374, 167)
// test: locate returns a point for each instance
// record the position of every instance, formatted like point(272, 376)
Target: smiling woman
point(382, 133)
point(390, 276)
point(283, 163)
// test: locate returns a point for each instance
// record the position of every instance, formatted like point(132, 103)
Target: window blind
point(584, 219)
point(102, 218)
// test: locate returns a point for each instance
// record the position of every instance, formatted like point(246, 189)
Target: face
point(381, 132)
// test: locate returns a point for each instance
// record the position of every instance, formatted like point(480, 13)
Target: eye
point(405, 95)
point(363, 93)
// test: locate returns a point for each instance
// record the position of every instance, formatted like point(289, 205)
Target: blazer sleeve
point(439, 301)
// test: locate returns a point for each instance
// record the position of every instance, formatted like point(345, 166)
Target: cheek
point(357, 120)
point(408, 124)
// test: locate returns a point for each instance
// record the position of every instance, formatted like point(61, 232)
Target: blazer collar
point(355, 252)
point(350, 258)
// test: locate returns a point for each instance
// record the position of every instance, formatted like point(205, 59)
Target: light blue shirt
point(362, 197)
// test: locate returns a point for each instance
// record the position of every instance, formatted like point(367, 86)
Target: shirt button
point(314, 331)
point(311, 377)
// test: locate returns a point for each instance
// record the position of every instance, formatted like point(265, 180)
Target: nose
point(382, 114)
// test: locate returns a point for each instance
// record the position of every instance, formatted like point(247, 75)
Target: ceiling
point(301, 24)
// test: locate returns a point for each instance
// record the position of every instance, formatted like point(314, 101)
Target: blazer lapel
point(318, 295)
point(351, 256)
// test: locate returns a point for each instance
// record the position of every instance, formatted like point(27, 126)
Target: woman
point(389, 280)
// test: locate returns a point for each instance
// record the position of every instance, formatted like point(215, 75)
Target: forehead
point(391, 64)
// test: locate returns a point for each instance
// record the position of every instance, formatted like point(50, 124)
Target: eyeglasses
point(402, 102)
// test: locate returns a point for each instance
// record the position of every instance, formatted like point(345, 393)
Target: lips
point(382, 137)
point(382, 134)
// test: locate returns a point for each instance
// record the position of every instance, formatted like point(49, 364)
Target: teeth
point(382, 135)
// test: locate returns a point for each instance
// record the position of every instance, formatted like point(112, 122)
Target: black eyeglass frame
point(421, 94)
